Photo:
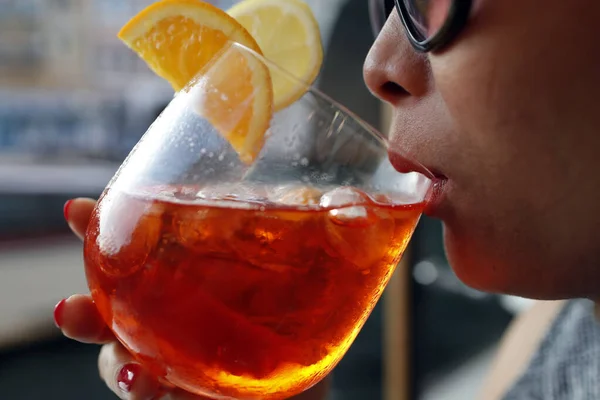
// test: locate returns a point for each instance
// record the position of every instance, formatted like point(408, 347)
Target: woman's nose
point(393, 70)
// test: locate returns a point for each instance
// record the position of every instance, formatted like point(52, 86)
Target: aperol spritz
point(240, 296)
point(239, 277)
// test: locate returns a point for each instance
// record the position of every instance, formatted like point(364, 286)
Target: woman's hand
point(79, 319)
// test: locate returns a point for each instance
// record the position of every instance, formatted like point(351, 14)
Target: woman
point(503, 107)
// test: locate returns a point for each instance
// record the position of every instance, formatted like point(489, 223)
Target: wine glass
point(236, 254)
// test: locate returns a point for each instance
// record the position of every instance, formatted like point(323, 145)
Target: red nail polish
point(58, 313)
point(127, 376)
point(66, 208)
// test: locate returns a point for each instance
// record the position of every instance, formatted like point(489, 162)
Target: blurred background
point(74, 101)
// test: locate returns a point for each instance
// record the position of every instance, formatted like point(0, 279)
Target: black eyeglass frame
point(455, 22)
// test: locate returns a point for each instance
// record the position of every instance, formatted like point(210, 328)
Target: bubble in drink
point(247, 299)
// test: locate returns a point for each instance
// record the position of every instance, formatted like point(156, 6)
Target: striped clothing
point(567, 364)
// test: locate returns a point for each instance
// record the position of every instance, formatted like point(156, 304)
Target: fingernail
point(127, 376)
point(66, 208)
point(58, 312)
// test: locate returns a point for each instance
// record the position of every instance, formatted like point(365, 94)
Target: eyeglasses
point(430, 24)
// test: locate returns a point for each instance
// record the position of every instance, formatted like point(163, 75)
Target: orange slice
point(235, 94)
point(288, 34)
point(180, 38)
point(177, 38)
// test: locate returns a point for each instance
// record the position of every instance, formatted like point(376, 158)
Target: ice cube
point(357, 230)
point(344, 196)
point(241, 192)
point(280, 239)
point(382, 198)
point(295, 195)
point(347, 206)
point(206, 229)
point(271, 242)
point(213, 225)
point(355, 216)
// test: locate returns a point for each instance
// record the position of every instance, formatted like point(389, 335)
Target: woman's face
point(509, 115)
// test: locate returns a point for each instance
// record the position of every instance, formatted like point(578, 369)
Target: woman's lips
point(403, 164)
point(435, 196)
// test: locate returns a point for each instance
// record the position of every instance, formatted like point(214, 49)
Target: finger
point(78, 213)
point(125, 377)
point(79, 319)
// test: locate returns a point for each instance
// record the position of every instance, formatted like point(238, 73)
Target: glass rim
point(310, 88)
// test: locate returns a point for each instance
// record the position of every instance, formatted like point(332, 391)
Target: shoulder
point(518, 347)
